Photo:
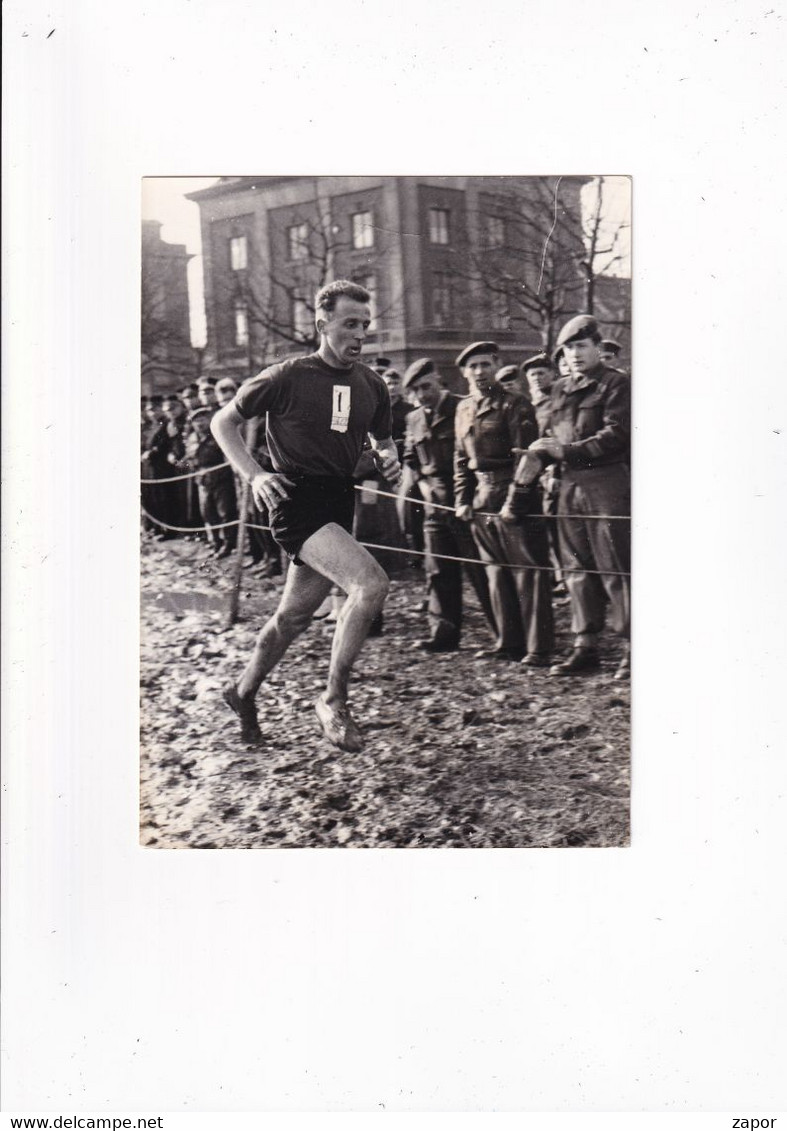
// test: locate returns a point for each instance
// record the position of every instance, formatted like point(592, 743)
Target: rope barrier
point(393, 495)
point(188, 475)
point(485, 514)
point(399, 550)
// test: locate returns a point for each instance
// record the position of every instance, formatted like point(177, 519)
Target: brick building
point(168, 358)
point(447, 260)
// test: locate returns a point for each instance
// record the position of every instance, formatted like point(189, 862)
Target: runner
point(320, 410)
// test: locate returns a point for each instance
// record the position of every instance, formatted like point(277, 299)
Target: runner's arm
point(226, 427)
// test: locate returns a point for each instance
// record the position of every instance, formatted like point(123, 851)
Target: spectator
point(590, 440)
point(216, 489)
point(154, 465)
point(429, 455)
point(225, 391)
point(490, 425)
point(206, 393)
point(510, 379)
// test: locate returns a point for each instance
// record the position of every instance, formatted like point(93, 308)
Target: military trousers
point(444, 535)
point(599, 545)
point(521, 598)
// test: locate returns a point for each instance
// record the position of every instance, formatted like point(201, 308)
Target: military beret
point(472, 350)
point(583, 326)
point(537, 361)
point(610, 345)
point(423, 367)
point(200, 412)
point(382, 363)
point(507, 373)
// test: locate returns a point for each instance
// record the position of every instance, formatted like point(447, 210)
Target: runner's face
point(344, 332)
point(480, 372)
point(427, 391)
point(581, 355)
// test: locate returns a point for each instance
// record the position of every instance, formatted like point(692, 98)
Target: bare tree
point(530, 260)
point(604, 244)
point(520, 259)
point(274, 305)
point(164, 335)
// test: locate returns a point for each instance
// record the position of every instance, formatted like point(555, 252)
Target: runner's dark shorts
point(311, 503)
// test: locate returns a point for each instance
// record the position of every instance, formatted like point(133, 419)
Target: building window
point(442, 299)
point(238, 253)
point(363, 232)
point(495, 231)
point(438, 225)
point(369, 283)
point(499, 313)
point(302, 318)
point(298, 241)
point(241, 324)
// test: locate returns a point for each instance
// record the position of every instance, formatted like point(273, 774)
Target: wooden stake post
point(245, 497)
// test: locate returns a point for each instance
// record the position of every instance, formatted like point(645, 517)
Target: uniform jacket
point(487, 431)
point(592, 419)
point(429, 449)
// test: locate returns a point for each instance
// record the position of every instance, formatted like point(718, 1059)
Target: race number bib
point(340, 416)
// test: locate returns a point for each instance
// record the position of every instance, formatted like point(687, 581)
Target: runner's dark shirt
point(318, 417)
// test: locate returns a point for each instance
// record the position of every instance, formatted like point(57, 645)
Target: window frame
point(438, 229)
point(238, 243)
point(240, 310)
point(441, 281)
point(298, 244)
point(363, 238)
point(298, 302)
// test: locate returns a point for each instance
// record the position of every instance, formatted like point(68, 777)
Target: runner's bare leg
point(304, 591)
point(335, 554)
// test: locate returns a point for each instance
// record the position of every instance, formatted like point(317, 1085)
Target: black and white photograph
point(385, 464)
point(457, 524)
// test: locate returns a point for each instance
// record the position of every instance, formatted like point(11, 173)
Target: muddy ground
point(460, 753)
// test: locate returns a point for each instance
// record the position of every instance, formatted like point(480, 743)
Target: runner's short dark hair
point(327, 296)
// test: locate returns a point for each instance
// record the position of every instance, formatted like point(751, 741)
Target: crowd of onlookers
point(526, 480)
point(193, 488)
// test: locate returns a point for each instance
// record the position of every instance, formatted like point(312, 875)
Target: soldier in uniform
point(590, 441)
point(539, 376)
point(490, 426)
point(510, 379)
point(429, 455)
point(609, 350)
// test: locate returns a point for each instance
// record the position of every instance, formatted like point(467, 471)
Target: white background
point(649, 978)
